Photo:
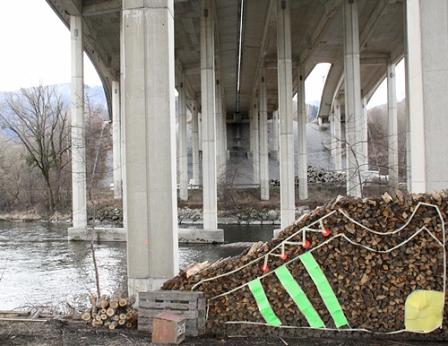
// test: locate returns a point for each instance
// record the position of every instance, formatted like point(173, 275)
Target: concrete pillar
point(148, 108)
point(219, 129)
point(255, 145)
point(195, 142)
point(264, 154)
point(352, 79)
point(427, 78)
point(224, 129)
point(116, 137)
point(182, 121)
point(284, 63)
point(275, 142)
point(363, 138)
point(200, 133)
point(210, 207)
point(79, 183)
point(393, 126)
point(302, 118)
point(337, 139)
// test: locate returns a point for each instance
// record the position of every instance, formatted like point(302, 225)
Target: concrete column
point(301, 137)
point(195, 142)
point(284, 63)
point(393, 126)
point(275, 142)
point(200, 132)
point(256, 145)
point(183, 157)
point(363, 138)
point(116, 136)
point(225, 148)
point(219, 128)
point(337, 135)
point(427, 78)
point(210, 207)
point(79, 183)
point(149, 129)
point(352, 79)
point(264, 154)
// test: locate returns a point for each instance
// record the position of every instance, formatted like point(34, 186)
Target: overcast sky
point(35, 47)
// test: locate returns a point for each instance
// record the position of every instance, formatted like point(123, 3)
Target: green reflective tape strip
point(263, 303)
point(324, 288)
point(299, 297)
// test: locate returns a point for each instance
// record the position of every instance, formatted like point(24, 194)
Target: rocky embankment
point(186, 216)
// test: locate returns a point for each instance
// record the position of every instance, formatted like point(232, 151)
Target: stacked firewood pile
point(374, 253)
point(319, 176)
point(316, 175)
point(112, 311)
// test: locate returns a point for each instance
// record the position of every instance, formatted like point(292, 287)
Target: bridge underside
point(241, 62)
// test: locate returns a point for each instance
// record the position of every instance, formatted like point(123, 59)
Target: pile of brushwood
point(373, 252)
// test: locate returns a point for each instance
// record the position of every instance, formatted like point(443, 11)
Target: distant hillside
point(95, 94)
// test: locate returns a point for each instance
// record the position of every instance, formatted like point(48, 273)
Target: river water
point(40, 268)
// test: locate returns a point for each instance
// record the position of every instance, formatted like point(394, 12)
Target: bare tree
point(37, 117)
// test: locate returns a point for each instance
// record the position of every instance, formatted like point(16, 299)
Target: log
point(86, 316)
point(104, 301)
point(97, 324)
point(115, 298)
point(113, 325)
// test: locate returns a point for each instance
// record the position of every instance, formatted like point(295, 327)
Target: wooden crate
point(168, 329)
point(189, 305)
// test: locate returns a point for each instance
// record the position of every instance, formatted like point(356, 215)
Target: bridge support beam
point(353, 110)
point(392, 126)
point(209, 172)
point(150, 209)
point(220, 158)
point(264, 154)
point(336, 133)
point(427, 79)
point(284, 63)
point(301, 137)
point(195, 141)
point(363, 138)
point(79, 179)
point(274, 144)
point(116, 135)
point(182, 121)
point(254, 126)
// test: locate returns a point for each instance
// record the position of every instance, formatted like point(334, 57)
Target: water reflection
point(39, 266)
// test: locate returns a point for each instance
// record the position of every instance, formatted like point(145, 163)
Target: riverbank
point(235, 207)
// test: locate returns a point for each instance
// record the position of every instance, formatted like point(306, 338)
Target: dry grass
point(250, 198)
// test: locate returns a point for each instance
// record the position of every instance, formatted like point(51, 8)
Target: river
point(40, 268)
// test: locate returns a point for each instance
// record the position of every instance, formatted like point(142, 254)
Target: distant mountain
point(96, 94)
point(314, 103)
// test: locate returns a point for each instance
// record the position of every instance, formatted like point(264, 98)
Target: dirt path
point(74, 333)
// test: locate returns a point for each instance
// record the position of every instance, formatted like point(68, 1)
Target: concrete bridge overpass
point(238, 63)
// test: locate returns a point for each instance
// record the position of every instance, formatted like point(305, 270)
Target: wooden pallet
point(189, 305)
